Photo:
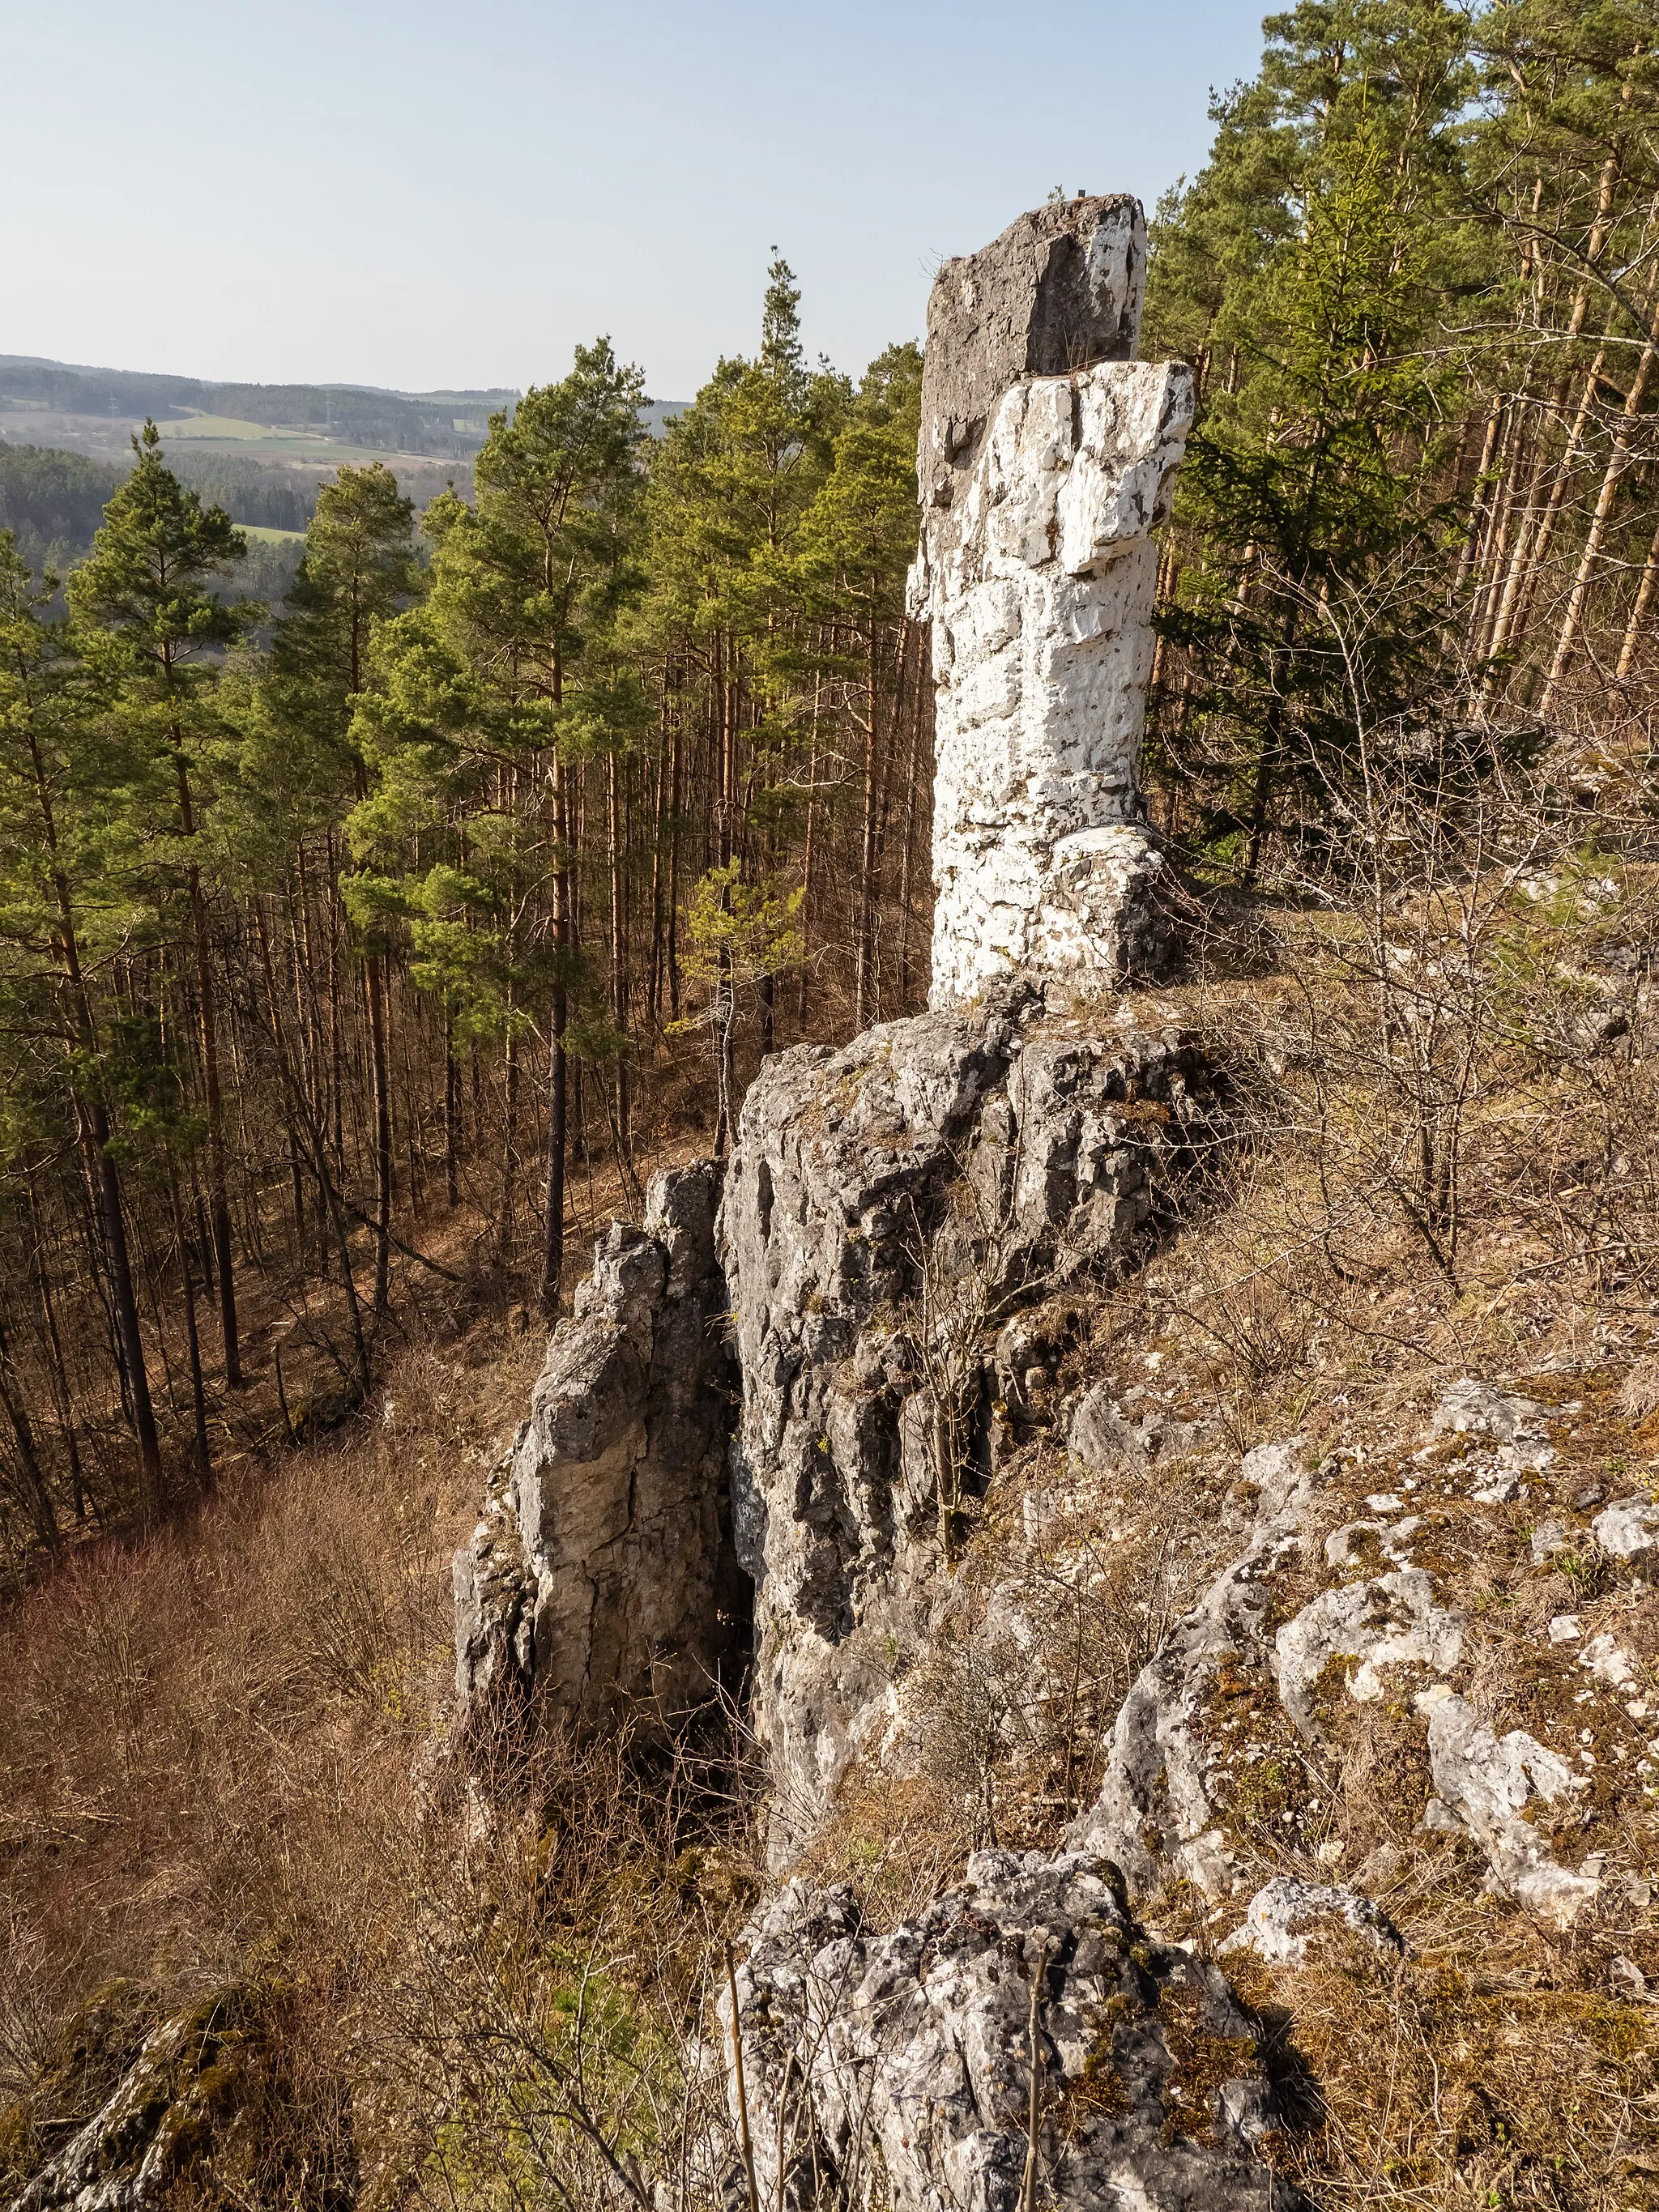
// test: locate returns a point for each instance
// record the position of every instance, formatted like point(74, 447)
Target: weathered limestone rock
point(1484, 1781)
point(1629, 1527)
point(1285, 1915)
point(1045, 461)
point(603, 1573)
point(907, 2056)
point(1060, 290)
point(1158, 1815)
point(886, 1206)
point(1222, 1699)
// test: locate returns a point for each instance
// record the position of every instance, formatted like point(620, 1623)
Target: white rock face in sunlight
point(1037, 569)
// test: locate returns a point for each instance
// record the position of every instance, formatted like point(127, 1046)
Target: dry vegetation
point(224, 1767)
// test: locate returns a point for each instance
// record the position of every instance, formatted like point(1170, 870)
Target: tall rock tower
point(1045, 461)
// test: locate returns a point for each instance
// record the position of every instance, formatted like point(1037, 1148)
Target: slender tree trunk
point(1618, 460)
point(192, 1340)
point(616, 829)
point(112, 1223)
point(659, 858)
point(452, 1114)
point(558, 1074)
point(911, 780)
point(1639, 610)
point(207, 1011)
point(103, 1178)
point(809, 853)
point(1532, 544)
point(14, 1399)
point(61, 1392)
point(725, 982)
point(380, 1095)
point(1480, 504)
point(863, 980)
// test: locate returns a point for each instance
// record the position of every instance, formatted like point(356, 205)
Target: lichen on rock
point(602, 1575)
point(908, 2053)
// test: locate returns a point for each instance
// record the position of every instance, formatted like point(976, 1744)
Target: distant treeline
point(421, 422)
point(53, 502)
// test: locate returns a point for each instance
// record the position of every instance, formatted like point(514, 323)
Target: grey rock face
point(1206, 1706)
point(1157, 1815)
point(1484, 1781)
point(1629, 1528)
point(887, 1206)
point(1060, 290)
point(907, 2056)
point(603, 1573)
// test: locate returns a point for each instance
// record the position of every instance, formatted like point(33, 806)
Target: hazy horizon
point(370, 196)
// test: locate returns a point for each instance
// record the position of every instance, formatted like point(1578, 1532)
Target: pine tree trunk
point(1638, 613)
point(863, 980)
point(34, 1481)
point(192, 1340)
point(380, 1099)
point(1618, 460)
point(558, 1074)
point(113, 1224)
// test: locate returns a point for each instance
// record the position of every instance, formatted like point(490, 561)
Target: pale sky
point(391, 191)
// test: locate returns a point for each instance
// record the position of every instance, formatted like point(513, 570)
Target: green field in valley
point(229, 434)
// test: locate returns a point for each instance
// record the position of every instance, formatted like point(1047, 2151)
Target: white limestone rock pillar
point(1037, 569)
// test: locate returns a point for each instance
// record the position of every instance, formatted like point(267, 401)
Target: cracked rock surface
point(603, 1573)
point(885, 1205)
point(905, 2056)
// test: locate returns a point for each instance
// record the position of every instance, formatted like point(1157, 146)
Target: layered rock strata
point(888, 1207)
point(1045, 461)
point(904, 2061)
point(601, 1574)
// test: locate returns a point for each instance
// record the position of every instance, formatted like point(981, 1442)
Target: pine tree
point(147, 621)
point(360, 569)
point(54, 785)
point(1307, 271)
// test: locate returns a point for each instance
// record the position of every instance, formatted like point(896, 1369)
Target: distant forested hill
point(53, 502)
point(432, 423)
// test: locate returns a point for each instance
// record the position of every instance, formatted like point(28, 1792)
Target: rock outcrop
point(199, 2107)
point(888, 1207)
point(601, 1574)
point(907, 2056)
point(1325, 1616)
point(1285, 1915)
point(1045, 461)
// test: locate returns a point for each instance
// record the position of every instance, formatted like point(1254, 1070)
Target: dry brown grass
point(1501, 2063)
point(209, 1736)
point(227, 1784)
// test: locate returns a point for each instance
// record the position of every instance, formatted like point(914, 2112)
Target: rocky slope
point(602, 1573)
point(895, 1213)
point(915, 1236)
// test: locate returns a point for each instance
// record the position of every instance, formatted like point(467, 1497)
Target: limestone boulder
point(603, 1574)
point(908, 2054)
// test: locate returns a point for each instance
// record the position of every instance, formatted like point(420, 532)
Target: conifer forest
point(364, 943)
